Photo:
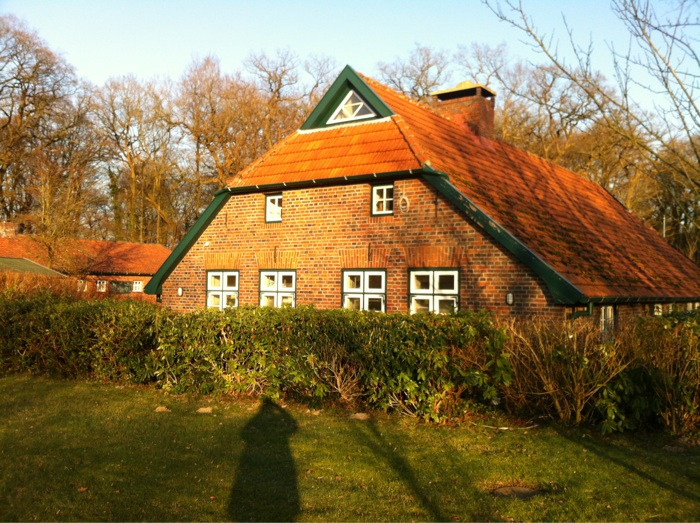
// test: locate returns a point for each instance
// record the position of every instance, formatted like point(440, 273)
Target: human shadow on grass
point(265, 488)
point(369, 435)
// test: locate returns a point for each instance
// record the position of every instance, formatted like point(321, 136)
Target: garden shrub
point(669, 351)
point(560, 368)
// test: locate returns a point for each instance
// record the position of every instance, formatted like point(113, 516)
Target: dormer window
point(352, 108)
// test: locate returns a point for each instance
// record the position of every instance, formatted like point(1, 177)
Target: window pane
point(120, 287)
point(287, 281)
point(375, 304)
point(230, 300)
point(353, 281)
point(214, 281)
point(287, 301)
point(446, 305)
point(231, 281)
point(375, 281)
point(446, 282)
point(214, 300)
point(353, 303)
point(421, 305)
point(269, 281)
point(267, 300)
point(421, 282)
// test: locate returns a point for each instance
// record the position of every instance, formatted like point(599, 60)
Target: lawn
point(71, 450)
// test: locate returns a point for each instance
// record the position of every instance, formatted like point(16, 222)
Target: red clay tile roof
point(82, 257)
point(351, 150)
point(572, 224)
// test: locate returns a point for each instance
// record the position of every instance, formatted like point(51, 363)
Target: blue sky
point(149, 38)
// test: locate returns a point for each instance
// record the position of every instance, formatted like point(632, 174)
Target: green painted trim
point(348, 79)
point(155, 286)
point(588, 313)
point(563, 292)
point(375, 178)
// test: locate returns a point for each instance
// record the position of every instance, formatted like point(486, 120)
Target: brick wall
point(327, 229)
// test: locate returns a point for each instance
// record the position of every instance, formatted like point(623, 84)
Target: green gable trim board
point(347, 81)
point(155, 286)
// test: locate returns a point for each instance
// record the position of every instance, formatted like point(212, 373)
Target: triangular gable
point(351, 96)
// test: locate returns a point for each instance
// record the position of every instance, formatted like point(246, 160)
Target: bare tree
point(36, 87)
point(424, 71)
point(141, 163)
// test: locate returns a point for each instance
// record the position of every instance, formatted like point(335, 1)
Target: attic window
point(352, 108)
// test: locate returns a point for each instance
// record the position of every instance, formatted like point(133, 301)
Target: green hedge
point(102, 339)
point(425, 365)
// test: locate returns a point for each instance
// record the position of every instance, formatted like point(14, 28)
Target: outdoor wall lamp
point(180, 291)
point(509, 298)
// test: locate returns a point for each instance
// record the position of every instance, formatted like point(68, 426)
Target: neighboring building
point(378, 202)
point(102, 267)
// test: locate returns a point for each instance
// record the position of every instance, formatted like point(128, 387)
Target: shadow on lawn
point(266, 487)
point(383, 450)
point(615, 454)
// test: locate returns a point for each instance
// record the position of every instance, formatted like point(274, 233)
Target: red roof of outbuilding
point(82, 257)
point(573, 225)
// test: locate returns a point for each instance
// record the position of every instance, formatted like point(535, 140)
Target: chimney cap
point(463, 90)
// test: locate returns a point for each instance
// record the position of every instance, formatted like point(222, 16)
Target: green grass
point(72, 450)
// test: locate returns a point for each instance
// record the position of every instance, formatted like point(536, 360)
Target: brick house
point(378, 202)
point(100, 268)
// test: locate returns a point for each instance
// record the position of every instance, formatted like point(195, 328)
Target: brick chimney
point(8, 230)
point(468, 104)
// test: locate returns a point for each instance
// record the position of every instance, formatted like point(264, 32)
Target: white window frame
point(365, 293)
point(607, 322)
point(273, 208)
point(223, 293)
point(137, 286)
point(433, 295)
point(101, 286)
point(342, 115)
point(273, 291)
point(82, 285)
point(379, 196)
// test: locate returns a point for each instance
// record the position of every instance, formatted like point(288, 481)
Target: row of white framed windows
point(431, 290)
point(382, 203)
point(116, 287)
